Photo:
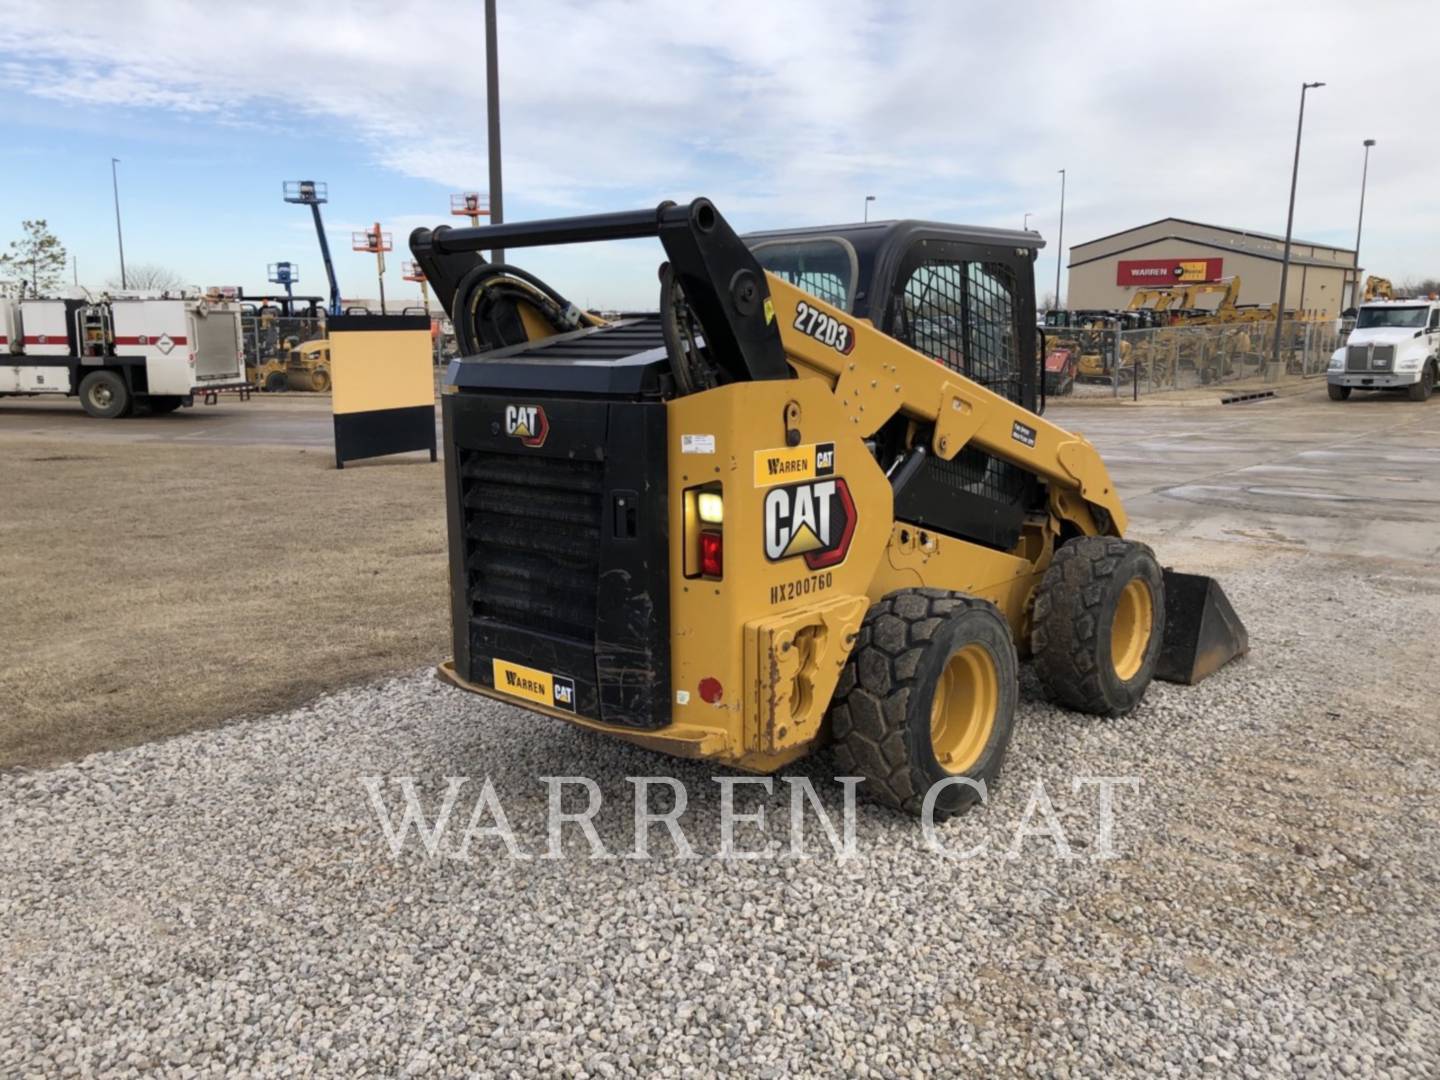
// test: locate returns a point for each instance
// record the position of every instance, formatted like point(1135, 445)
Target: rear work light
point(704, 522)
point(712, 554)
point(710, 507)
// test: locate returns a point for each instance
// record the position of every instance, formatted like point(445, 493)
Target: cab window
point(823, 267)
point(963, 315)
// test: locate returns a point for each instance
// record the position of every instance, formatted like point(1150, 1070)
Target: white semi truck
point(121, 354)
point(1395, 346)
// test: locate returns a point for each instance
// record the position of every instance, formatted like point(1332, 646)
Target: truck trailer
point(121, 354)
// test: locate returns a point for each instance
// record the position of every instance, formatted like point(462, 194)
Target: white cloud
point(792, 112)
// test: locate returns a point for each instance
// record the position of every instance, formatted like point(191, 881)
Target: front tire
point(1421, 390)
point(1338, 393)
point(104, 395)
point(1098, 625)
point(928, 694)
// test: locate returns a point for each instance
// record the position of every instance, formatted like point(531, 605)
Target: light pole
point(1290, 223)
point(492, 112)
point(119, 237)
point(868, 200)
point(1025, 226)
point(1364, 175)
point(1060, 241)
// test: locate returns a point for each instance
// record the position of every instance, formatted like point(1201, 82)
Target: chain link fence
point(1128, 363)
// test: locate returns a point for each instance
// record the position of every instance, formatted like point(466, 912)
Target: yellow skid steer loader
point(810, 500)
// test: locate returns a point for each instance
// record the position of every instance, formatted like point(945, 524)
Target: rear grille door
point(559, 547)
point(533, 539)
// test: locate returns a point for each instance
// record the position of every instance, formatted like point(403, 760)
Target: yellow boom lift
point(811, 500)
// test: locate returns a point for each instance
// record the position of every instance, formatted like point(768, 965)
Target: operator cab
point(963, 295)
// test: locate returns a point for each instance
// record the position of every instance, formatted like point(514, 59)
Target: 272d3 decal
point(824, 328)
point(814, 520)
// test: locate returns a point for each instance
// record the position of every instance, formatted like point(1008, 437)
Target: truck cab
point(1395, 346)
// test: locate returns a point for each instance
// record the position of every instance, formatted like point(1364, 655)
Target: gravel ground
point(226, 901)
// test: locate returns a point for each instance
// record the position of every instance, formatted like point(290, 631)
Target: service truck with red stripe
point(120, 355)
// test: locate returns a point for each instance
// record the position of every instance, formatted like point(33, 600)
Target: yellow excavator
point(1378, 288)
point(811, 500)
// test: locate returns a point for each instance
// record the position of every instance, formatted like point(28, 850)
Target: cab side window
point(963, 315)
point(1434, 319)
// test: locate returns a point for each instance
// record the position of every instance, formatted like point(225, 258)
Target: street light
point(1025, 226)
point(119, 237)
point(492, 114)
point(868, 200)
point(1364, 175)
point(1290, 223)
point(1060, 241)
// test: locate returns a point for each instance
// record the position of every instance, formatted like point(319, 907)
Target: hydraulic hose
point(498, 288)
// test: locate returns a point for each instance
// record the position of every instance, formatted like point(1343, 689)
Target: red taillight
point(712, 554)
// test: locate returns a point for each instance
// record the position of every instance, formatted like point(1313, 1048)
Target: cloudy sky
point(782, 112)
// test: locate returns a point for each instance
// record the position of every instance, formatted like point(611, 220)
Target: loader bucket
point(1202, 631)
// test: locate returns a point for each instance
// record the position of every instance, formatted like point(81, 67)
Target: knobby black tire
point(1071, 624)
point(880, 714)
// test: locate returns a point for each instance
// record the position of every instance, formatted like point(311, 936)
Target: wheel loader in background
point(809, 501)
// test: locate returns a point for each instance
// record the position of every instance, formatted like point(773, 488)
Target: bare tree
point(148, 277)
point(37, 260)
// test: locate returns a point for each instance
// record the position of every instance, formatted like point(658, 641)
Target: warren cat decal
point(541, 687)
point(815, 520)
point(528, 423)
point(793, 463)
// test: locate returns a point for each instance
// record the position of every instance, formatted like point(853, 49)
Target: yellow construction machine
point(810, 501)
point(307, 366)
point(1378, 288)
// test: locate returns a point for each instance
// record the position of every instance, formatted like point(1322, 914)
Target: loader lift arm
point(748, 318)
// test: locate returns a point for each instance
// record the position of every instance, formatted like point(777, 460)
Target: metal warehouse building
point(1105, 273)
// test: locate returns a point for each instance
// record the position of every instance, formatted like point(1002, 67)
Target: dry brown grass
point(150, 589)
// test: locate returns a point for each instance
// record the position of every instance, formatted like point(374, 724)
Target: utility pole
point(1060, 242)
point(492, 112)
point(119, 236)
point(1364, 175)
point(1290, 224)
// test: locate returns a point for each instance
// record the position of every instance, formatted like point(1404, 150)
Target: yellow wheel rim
point(962, 713)
point(1130, 632)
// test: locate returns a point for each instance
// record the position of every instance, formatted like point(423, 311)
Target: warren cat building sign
point(1160, 272)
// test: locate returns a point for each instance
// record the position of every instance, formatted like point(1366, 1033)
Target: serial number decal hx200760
point(825, 329)
point(814, 519)
point(541, 687)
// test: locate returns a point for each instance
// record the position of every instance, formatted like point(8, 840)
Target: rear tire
point(319, 380)
point(927, 694)
point(1338, 393)
point(1098, 625)
point(104, 395)
point(1421, 390)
